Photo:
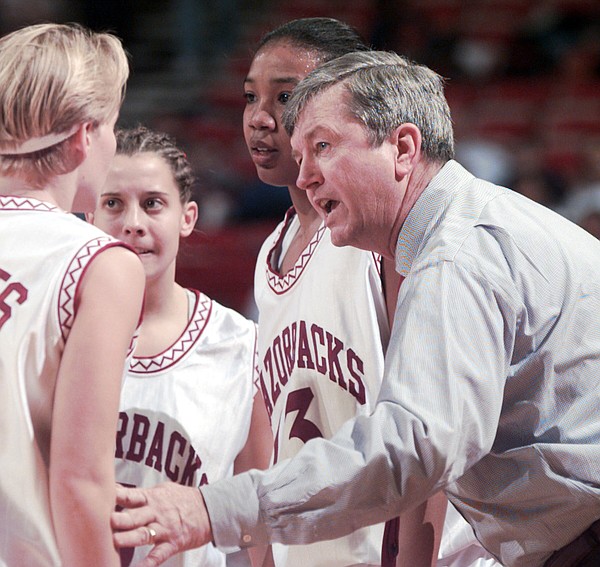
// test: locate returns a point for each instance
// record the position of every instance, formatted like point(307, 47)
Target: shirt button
point(246, 538)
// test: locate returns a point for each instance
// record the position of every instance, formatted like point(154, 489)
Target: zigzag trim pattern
point(10, 203)
point(256, 365)
point(68, 288)
point(378, 259)
point(133, 344)
point(182, 346)
point(281, 284)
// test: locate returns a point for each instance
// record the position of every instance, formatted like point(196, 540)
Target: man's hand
point(170, 516)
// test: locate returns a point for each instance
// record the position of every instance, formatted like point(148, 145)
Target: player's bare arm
point(108, 308)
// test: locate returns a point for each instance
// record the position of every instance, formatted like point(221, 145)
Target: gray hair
point(384, 90)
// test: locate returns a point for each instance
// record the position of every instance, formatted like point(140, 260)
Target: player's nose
point(133, 222)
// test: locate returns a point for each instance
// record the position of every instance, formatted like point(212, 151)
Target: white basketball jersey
point(323, 329)
point(185, 413)
point(43, 255)
point(459, 546)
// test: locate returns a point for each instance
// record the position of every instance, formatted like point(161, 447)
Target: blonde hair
point(54, 77)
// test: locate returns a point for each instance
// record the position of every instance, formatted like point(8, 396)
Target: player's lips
point(142, 251)
point(262, 154)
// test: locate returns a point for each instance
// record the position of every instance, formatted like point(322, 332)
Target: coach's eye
point(284, 97)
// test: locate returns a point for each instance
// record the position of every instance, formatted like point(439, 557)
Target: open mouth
point(262, 155)
point(261, 149)
point(142, 251)
point(327, 205)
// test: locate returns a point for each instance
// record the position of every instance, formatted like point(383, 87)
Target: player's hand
point(170, 516)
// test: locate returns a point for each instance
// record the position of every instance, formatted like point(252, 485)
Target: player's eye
point(250, 97)
point(153, 204)
point(111, 203)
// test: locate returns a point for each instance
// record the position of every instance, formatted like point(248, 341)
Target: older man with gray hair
point(492, 381)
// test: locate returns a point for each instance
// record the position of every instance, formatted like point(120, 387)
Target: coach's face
point(351, 184)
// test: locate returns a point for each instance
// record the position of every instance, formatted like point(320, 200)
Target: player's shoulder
point(114, 267)
point(226, 318)
point(87, 249)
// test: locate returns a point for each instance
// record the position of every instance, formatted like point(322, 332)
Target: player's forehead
point(281, 62)
point(143, 173)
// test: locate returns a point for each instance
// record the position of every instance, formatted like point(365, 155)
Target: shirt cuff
point(234, 513)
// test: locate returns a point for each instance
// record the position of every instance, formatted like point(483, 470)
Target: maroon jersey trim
point(13, 203)
point(278, 283)
point(187, 340)
point(72, 277)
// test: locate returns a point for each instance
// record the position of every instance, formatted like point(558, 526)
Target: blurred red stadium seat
point(221, 262)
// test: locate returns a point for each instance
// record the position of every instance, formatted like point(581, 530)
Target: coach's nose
point(309, 175)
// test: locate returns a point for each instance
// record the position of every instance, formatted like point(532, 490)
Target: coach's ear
point(406, 139)
point(89, 217)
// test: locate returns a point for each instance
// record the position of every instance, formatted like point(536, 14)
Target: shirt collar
point(426, 209)
point(18, 203)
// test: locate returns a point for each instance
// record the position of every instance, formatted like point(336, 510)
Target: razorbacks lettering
point(14, 289)
point(323, 329)
point(141, 441)
point(310, 346)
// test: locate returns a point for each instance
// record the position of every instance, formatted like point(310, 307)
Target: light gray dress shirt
point(491, 390)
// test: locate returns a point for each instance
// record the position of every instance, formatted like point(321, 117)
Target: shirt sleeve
point(437, 415)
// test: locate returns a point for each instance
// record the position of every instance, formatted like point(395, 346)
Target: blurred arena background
point(523, 83)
